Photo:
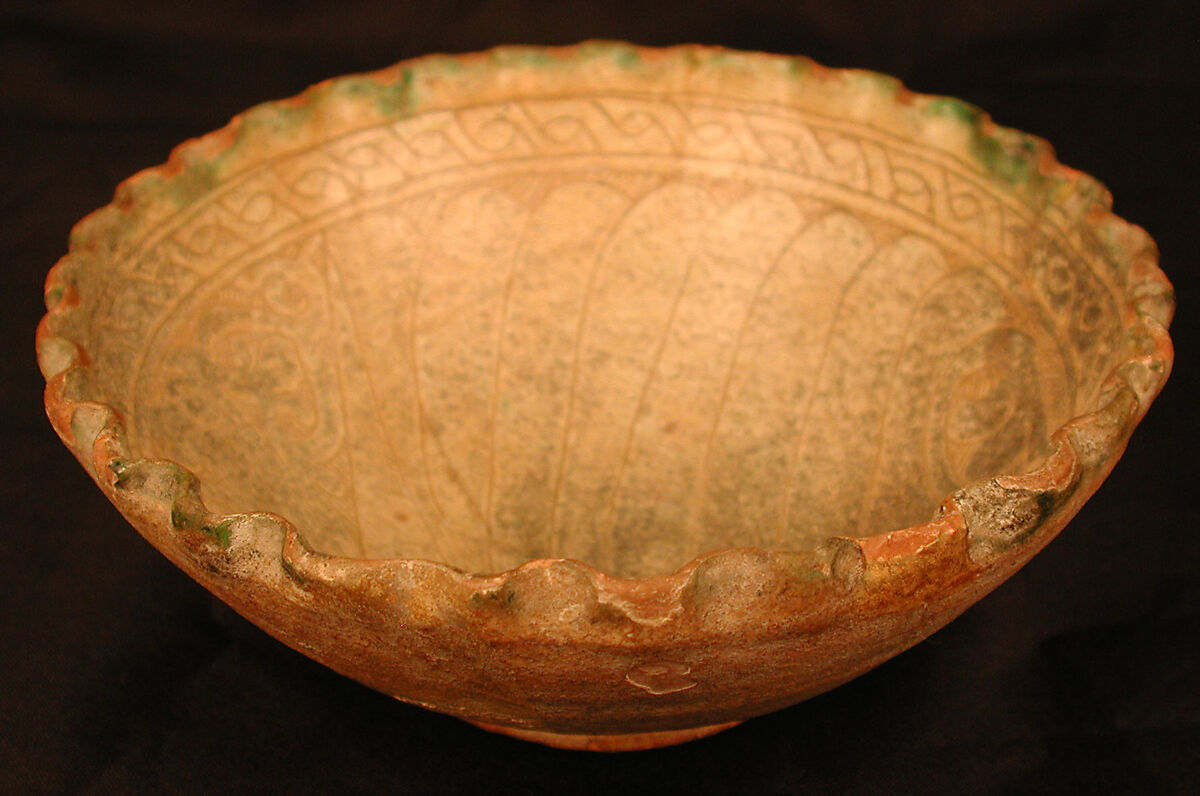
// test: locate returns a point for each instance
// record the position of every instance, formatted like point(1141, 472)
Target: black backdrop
point(118, 673)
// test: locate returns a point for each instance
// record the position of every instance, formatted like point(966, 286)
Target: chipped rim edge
point(1092, 441)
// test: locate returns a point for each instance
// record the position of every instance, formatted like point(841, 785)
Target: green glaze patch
point(195, 181)
point(627, 58)
point(625, 54)
point(1009, 156)
point(1015, 168)
point(954, 109)
point(275, 117)
point(799, 67)
point(399, 97)
point(53, 296)
point(180, 478)
point(875, 81)
point(181, 519)
point(392, 99)
point(188, 514)
point(221, 533)
point(104, 229)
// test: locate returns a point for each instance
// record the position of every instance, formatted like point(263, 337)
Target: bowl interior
point(622, 329)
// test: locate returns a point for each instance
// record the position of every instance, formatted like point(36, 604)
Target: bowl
point(604, 396)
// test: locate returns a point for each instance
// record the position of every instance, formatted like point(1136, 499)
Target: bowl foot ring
point(628, 742)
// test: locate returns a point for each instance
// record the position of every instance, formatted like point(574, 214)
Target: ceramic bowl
point(604, 396)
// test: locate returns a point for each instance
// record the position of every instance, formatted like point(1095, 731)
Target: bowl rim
point(993, 524)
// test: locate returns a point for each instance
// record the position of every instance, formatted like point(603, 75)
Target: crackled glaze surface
point(623, 306)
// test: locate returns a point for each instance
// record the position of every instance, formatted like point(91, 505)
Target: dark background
point(118, 673)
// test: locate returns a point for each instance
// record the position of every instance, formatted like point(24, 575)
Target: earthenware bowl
point(604, 396)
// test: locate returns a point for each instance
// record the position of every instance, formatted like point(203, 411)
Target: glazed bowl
point(604, 396)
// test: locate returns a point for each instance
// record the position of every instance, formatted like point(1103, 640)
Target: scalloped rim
point(998, 523)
